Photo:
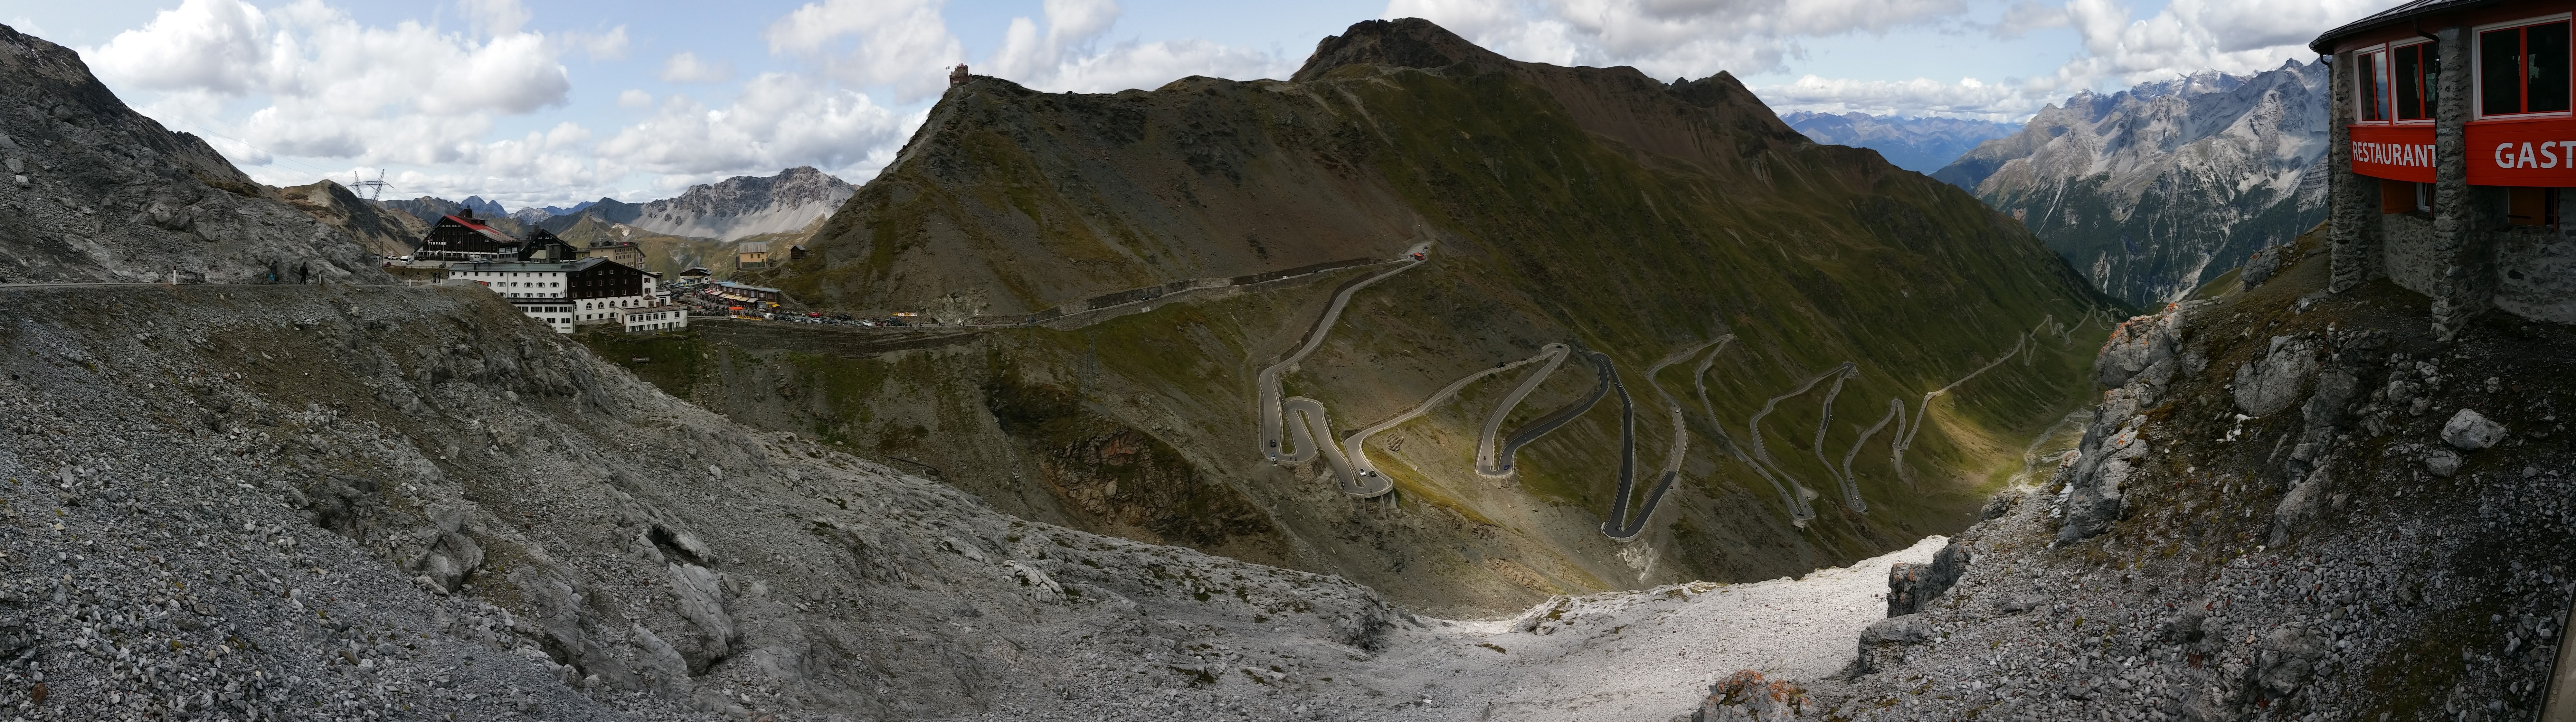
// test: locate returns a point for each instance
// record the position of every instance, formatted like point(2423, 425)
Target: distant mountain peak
point(743, 205)
point(1400, 43)
point(1922, 145)
point(2224, 164)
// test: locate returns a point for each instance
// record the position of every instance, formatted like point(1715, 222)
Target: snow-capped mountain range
point(2152, 191)
point(1921, 145)
point(725, 210)
point(739, 206)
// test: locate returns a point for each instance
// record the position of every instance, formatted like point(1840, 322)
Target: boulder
point(2298, 507)
point(2268, 385)
point(2471, 431)
point(2288, 658)
point(2138, 345)
point(2335, 389)
point(1747, 696)
point(702, 602)
point(1883, 644)
point(2261, 266)
point(1911, 587)
point(2442, 462)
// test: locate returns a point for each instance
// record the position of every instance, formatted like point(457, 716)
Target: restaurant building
point(2452, 143)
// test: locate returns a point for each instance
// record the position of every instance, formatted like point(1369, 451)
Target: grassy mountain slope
point(1588, 205)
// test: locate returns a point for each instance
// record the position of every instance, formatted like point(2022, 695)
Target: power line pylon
point(369, 188)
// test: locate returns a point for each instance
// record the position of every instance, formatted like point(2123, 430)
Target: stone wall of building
point(2536, 275)
point(2409, 256)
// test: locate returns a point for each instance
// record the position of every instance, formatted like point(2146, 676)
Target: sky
point(539, 102)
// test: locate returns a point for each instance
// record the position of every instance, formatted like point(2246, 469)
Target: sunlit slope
point(1591, 206)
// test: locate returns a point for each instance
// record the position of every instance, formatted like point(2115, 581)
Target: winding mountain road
point(1699, 381)
point(1604, 377)
point(1368, 482)
point(1621, 526)
point(1273, 412)
point(1800, 511)
point(1296, 429)
point(1555, 353)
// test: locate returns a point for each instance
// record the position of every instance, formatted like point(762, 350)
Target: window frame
point(2478, 61)
point(2371, 91)
point(2430, 95)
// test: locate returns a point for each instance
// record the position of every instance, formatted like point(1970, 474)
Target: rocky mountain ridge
point(2155, 190)
point(91, 191)
point(1922, 145)
point(745, 205)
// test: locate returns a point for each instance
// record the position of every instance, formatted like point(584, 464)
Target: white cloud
point(634, 98)
point(899, 44)
point(1067, 57)
point(1666, 38)
point(313, 53)
point(24, 25)
point(610, 45)
point(780, 120)
point(2189, 36)
point(687, 68)
point(495, 17)
point(1968, 97)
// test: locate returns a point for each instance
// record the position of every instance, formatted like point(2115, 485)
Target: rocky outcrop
point(1912, 586)
point(95, 192)
point(2283, 566)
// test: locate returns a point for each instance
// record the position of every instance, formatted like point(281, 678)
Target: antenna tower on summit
point(369, 188)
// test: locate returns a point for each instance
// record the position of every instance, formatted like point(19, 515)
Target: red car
point(1417, 256)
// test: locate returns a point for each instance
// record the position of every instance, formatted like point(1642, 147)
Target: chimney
point(465, 212)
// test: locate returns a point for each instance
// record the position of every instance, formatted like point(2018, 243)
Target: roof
point(519, 267)
point(752, 247)
point(2324, 44)
point(745, 286)
point(478, 227)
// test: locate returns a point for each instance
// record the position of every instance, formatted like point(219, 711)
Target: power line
point(273, 156)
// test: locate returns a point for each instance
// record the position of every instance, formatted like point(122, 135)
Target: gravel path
point(1640, 655)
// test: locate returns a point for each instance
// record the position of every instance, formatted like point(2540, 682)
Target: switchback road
point(1369, 483)
point(1485, 465)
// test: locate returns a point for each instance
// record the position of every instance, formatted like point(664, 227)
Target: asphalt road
point(1604, 377)
point(1799, 510)
point(1699, 382)
point(1268, 404)
point(1620, 525)
point(1555, 354)
point(1370, 483)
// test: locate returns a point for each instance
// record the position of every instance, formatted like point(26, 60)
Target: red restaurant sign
point(2394, 152)
point(2529, 153)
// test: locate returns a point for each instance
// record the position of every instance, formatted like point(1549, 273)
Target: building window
point(2531, 206)
point(2374, 86)
point(2523, 69)
point(2418, 72)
